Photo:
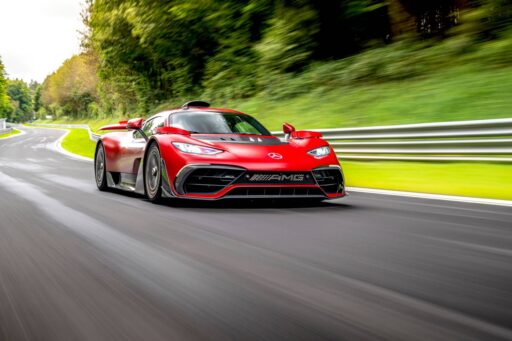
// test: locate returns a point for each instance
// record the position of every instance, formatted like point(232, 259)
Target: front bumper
point(214, 182)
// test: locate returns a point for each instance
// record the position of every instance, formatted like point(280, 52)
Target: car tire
point(153, 174)
point(100, 169)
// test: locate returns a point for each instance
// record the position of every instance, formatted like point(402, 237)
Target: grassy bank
point(11, 133)
point(459, 93)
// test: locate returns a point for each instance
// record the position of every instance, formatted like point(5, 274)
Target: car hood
point(268, 153)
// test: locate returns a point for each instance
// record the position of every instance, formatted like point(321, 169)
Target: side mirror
point(306, 134)
point(134, 124)
point(171, 130)
point(288, 129)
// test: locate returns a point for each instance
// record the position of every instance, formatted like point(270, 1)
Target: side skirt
point(122, 181)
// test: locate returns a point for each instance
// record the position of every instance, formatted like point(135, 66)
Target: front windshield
point(209, 122)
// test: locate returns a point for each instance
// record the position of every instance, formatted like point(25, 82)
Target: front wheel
point(100, 171)
point(153, 174)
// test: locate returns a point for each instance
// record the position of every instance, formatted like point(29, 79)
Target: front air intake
point(208, 180)
point(275, 192)
point(329, 179)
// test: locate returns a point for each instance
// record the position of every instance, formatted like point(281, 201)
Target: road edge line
point(453, 198)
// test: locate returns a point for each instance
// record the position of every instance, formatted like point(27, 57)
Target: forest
point(144, 55)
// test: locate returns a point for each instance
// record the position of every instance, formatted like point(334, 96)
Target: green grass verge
point(464, 179)
point(457, 93)
point(11, 133)
point(78, 142)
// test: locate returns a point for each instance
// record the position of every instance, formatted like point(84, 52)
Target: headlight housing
point(320, 152)
point(195, 149)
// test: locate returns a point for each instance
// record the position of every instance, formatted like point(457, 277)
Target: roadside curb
point(452, 198)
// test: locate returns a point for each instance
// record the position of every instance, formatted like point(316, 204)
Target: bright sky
point(36, 36)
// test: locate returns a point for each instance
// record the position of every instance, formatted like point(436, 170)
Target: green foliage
point(37, 97)
point(72, 88)
point(148, 53)
point(401, 83)
point(151, 51)
point(5, 105)
point(499, 16)
point(21, 101)
point(289, 42)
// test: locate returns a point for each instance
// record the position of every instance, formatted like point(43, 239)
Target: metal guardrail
point(479, 140)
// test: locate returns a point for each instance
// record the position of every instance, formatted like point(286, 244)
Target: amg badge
point(277, 178)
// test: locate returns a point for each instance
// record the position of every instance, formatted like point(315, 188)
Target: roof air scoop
point(201, 104)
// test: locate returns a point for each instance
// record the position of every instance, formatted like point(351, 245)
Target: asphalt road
point(78, 264)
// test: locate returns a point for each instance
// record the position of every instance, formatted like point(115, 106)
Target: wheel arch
point(166, 186)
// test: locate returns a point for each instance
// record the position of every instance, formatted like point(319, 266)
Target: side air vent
point(209, 180)
point(329, 179)
point(200, 104)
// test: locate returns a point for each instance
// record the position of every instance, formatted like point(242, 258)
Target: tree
point(72, 88)
point(427, 17)
point(21, 99)
point(36, 94)
point(5, 105)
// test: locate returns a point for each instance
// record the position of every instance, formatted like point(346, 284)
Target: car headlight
point(320, 152)
point(195, 149)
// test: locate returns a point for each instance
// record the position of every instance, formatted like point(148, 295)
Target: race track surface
point(78, 264)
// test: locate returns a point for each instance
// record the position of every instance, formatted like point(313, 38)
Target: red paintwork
point(120, 126)
point(288, 128)
point(304, 134)
point(135, 123)
point(172, 130)
point(124, 154)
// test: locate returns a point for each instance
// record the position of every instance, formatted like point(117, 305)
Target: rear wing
point(133, 124)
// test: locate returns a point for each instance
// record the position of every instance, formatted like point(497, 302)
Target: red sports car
point(198, 152)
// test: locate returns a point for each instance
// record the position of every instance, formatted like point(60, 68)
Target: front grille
point(330, 180)
point(209, 180)
point(276, 192)
point(277, 178)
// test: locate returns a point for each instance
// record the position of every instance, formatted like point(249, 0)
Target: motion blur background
point(316, 64)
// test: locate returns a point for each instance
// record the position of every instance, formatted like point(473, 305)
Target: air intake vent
point(198, 104)
point(329, 179)
point(210, 180)
point(275, 192)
